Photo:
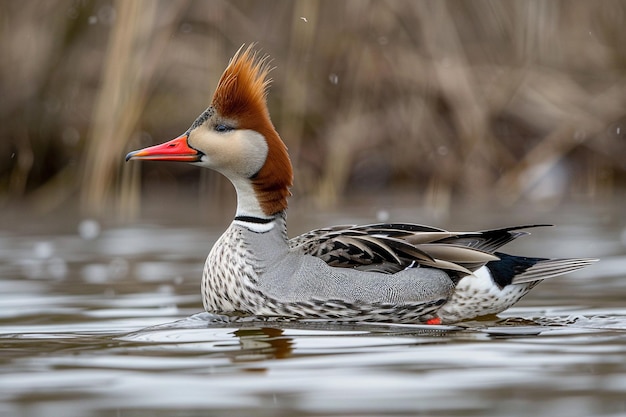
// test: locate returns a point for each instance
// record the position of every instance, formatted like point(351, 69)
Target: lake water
point(98, 319)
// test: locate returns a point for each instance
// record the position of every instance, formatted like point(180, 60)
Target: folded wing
point(392, 247)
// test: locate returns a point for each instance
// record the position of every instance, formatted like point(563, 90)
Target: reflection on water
point(105, 321)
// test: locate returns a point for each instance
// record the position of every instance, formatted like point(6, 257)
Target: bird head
point(235, 136)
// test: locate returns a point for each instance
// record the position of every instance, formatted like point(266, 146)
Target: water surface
point(99, 320)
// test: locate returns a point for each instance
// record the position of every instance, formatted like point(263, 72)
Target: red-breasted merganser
point(389, 272)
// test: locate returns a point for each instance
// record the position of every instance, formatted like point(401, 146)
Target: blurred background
point(426, 103)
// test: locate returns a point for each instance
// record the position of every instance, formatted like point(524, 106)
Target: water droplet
point(383, 215)
point(13, 155)
point(43, 250)
point(442, 150)
point(89, 229)
point(93, 20)
point(186, 28)
point(304, 19)
point(334, 79)
point(618, 130)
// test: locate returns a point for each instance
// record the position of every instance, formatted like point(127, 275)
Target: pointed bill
point(175, 150)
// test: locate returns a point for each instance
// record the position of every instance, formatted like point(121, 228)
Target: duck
point(383, 272)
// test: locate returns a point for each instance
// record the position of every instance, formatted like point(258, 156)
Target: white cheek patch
point(238, 155)
point(235, 153)
point(253, 151)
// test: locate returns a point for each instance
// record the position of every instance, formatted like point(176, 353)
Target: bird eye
point(223, 128)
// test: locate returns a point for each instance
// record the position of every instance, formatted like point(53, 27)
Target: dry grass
point(493, 100)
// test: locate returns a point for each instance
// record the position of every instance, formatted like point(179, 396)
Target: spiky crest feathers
point(240, 96)
point(242, 89)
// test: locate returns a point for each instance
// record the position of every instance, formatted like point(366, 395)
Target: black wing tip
point(517, 228)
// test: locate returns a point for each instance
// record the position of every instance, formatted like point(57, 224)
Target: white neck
point(248, 206)
point(247, 202)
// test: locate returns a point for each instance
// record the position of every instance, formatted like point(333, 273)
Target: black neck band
point(252, 219)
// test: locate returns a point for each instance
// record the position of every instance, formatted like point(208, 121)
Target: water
point(100, 320)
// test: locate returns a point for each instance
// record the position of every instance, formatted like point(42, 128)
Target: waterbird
point(384, 272)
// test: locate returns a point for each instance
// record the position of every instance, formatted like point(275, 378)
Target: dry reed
point(486, 99)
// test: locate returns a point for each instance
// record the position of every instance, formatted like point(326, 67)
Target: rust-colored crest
point(241, 91)
point(241, 97)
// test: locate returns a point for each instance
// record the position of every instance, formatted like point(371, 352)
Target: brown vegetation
point(443, 99)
